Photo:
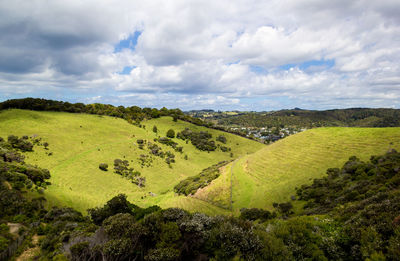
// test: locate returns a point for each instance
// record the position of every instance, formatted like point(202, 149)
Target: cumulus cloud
point(203, 54)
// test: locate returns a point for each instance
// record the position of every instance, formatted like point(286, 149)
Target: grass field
point(272, 173)
point(79, 142)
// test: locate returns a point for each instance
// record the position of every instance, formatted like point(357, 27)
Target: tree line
point(132, 114)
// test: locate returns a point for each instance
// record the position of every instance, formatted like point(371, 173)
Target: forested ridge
point(353, 117)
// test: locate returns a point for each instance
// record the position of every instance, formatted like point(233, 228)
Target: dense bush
point(256, 213)
point(118, 204)
point(365, 196)
point(191, 184)
point(20, 143)
point(16, 178)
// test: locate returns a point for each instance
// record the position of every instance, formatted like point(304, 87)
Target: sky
point(223, 55)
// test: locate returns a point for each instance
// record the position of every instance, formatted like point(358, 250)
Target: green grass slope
point(272, 173)
point(79, 142)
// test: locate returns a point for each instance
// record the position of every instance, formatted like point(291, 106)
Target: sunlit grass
point(272, 173)
point(80, 142)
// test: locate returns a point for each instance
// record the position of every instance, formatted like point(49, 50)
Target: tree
point(171, 133)
point(46, 144)
point(155, 130)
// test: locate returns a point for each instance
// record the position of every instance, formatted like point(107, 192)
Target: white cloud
point(203, 53)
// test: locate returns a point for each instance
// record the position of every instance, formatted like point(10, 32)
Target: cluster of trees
point(122, 231)
point(201, 140)
point(121, 167)
point(191, 184)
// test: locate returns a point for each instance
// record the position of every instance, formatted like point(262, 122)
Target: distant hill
point(354, 117)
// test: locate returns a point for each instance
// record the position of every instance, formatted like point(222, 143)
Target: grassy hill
point(79, 142)
point(272, 173)
point(259, 176)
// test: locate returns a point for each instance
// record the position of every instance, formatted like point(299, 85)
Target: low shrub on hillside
point(121, 167)
point(103, 166)
point(169, 142)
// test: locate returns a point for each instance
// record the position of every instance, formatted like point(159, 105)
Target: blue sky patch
point(307, 64)
point(128, 43)
point(127, 70)
point(257, 69)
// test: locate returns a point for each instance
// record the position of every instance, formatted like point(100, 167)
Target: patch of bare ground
point(30, 253)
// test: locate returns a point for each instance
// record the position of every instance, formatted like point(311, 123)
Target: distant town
point(266, 134)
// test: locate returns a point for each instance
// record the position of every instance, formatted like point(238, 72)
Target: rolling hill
point(272, 173)
point(259, 176)
point(80, 142)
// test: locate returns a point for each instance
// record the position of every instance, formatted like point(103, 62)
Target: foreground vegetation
point(352, 213)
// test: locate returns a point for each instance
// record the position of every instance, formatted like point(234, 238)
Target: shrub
point(171, 133)
point(256, 213)
point(103, 166)
point(221, 138)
